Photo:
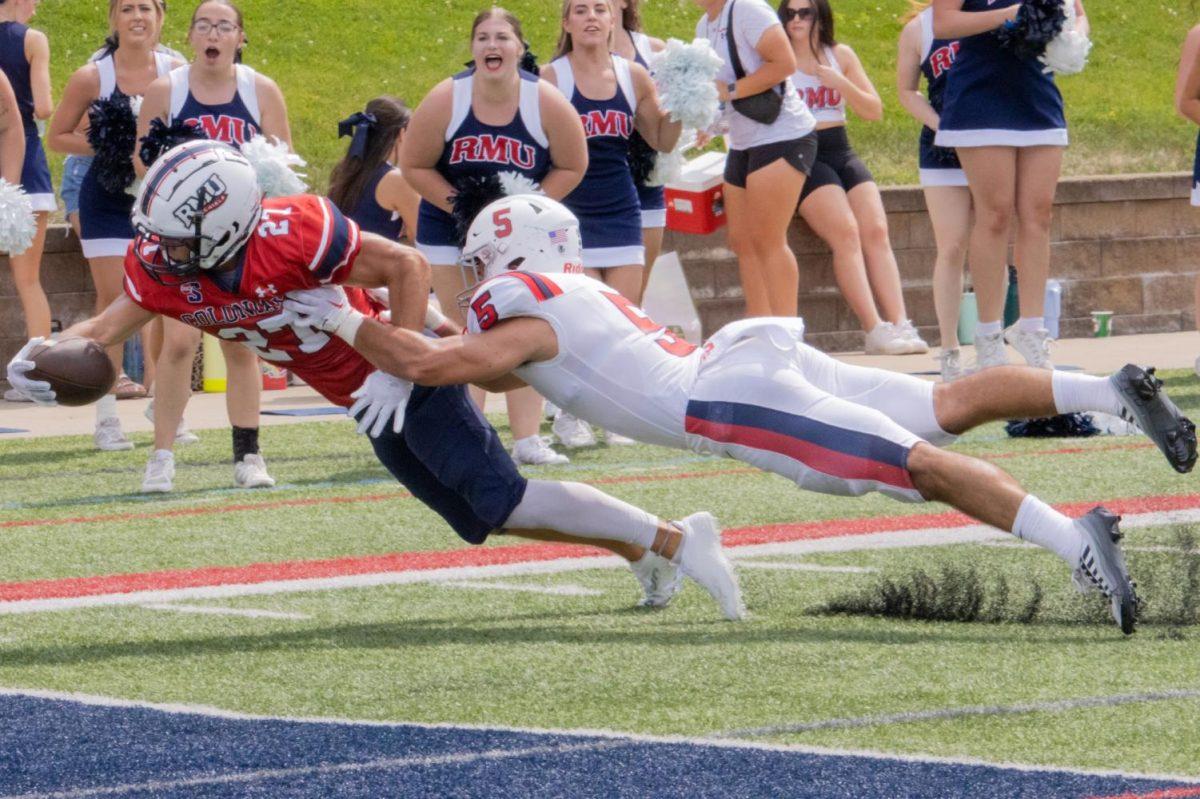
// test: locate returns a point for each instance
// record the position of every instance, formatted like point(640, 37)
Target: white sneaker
point(251, 472)
point(886, 339)
point(13, 395)
point(617, 440)
point(535, 451)
point(990, 351)
point(571, 432)
point(659, 578)
point(1033, 345)
point(183, 436)
point(916, 344)
point(950, 363)
point(109, 437)
point(160, 473)
point(550, 410)
point(701, 558)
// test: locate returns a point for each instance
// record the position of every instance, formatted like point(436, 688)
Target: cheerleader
point(127, 69)
point(631, 43)
point(230, 103)
point(365, 185)
point(491, 118)
point(1004, 116)
point(12, 135)
point(840, 200)
point(943, 181)
point(1187, 103)
point(25, 62)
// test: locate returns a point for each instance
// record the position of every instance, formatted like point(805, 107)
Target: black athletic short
point(837, 164)
point(800, 153)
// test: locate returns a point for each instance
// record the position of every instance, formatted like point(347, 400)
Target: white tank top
point(827, 105)
point(247, 89)
point(108, 72)
point(615, 366)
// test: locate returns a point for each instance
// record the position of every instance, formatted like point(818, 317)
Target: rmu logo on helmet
point(211, 196)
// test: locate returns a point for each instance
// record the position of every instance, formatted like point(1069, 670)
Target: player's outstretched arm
point(402, 270)
point(478, 358)
point(120, 320)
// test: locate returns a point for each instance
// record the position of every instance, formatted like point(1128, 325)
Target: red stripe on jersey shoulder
point(542, 287)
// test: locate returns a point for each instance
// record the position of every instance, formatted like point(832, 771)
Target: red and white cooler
point(695, 200)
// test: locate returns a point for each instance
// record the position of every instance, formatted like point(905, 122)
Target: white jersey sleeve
point(508, 296)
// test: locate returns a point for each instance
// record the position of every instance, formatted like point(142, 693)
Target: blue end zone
point(61, 746)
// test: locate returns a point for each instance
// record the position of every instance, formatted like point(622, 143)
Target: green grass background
point(331, 57)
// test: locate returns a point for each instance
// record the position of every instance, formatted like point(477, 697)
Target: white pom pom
point(516, 183)
point(668, 166)
point(273, 163)
point(686, 75)
point(18, 225)
point(135, 105)
point(1067, 53)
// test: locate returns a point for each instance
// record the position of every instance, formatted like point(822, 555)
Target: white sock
point(988, 328)
point(1074, 393)
point(581, 510)
point(106, 407)
point(162, 455)
point(1031, 324)
point(1041, 524)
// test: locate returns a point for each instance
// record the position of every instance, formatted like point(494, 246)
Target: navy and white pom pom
point(1037, 23)
point(162, 137)
point(274, 166)
point(686, 76)
point(1067, 53)
point(18, 225)
point(112, 133)
point(472, 193)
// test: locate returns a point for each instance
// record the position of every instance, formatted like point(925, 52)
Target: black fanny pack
point(763, 107)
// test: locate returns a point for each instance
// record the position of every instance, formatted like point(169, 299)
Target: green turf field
point(331, 57)
point(585, 657)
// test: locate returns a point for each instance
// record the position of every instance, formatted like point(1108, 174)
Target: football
point(77, 369)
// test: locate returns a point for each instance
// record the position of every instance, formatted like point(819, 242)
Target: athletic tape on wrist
point(348, 329)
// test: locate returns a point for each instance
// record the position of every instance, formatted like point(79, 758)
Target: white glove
point(381, 397)
point(326, 308)
point(37, 390)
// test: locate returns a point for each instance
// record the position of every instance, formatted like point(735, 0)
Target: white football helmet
point(529, 232)
point(202, 195)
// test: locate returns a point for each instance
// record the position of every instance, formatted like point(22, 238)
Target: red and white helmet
point(202, 195)
point(529, 232)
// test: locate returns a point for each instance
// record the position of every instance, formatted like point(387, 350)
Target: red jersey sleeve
point(329, 241)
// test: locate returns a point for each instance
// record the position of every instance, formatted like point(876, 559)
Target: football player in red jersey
point(211, 253)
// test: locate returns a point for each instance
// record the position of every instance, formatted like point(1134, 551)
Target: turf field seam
point(615, 735)
point(952, 713)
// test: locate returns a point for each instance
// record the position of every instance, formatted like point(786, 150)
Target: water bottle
point(1053, 307)
point(1012, 299)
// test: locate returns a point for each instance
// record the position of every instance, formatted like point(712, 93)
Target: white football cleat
point(572, 432)
point(659, 578)
point(160, 473)
point(251, 472)
point(701, 558)
point(535, 451)
point(109, 437)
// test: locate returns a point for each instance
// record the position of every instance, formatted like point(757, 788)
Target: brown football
point(77, 369)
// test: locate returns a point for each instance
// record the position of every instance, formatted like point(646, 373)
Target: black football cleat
point(1102, 566)
point(1144, 402)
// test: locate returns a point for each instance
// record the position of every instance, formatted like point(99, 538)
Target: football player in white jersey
point(754, 391)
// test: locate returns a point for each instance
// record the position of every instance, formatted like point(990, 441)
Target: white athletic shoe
point(251, 472)
point(14, 395)
point(950, 363)
point(990, 351)
point(109, 437)
point(183, 436)
point(916, 344)
point(550, 410)
point(886, 339)
point(701, 558)
point(659, 577)
point(617, 440)
point(1033, 345)
point(571, 432)
point(160, 473)
point(535, 451)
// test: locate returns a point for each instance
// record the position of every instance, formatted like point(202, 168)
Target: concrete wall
point(1128, 244)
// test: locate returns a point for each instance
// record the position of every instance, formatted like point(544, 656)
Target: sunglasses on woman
point(789, 14)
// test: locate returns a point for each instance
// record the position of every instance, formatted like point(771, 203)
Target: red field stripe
point(490, 556)
point(1165, 793)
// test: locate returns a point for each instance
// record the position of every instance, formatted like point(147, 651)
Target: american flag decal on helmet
point(558, 237)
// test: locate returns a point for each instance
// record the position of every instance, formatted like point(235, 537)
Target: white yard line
point(777, 565)
point(616, 736)
point(212, 610)
point(529, 588)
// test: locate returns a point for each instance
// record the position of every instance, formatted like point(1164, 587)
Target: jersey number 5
point(662, 336)
point(484, 311)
